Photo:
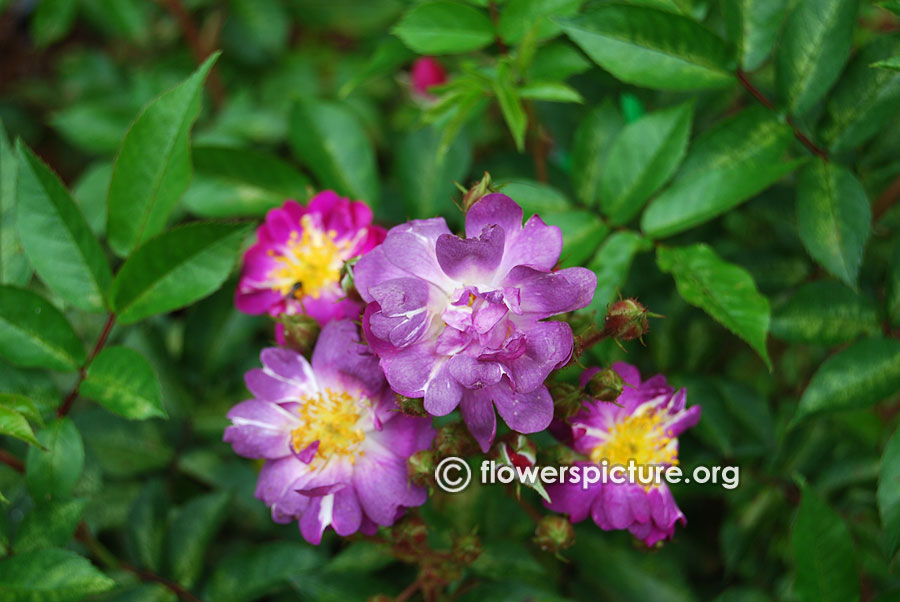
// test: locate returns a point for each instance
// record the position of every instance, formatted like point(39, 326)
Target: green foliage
point(445, 27)
point(50, 575)
point(34, 333)
point(123, 381)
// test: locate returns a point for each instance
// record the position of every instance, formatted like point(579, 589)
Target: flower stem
point(82, 372)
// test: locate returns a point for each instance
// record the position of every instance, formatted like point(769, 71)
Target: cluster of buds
point(554, 533)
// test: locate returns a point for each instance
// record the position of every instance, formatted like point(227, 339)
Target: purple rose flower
point(334, 447)
point(295, 265)
point(642, 425)
point(461, 321)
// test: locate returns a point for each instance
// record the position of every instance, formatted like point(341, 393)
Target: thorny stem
point(198, 48)
point(101, 340)
point(809, 144)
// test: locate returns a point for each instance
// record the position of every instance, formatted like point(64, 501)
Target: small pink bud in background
point(427, 72)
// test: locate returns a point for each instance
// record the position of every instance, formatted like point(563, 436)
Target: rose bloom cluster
point(462, 322)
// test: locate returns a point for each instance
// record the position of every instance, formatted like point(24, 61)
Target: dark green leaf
point(52, 20)
point(723, 290)
point(123, 381)
point(814, 46)
point(34, 333)
point(732, 162)
point(54, 471)
point(123, 448)
point(652, 48)
point(175, 269)
point(833, 218)
point(889, 492)
point(49, 524)
point(57, 238)
point(328, 138)
point(754, 24)
point(251, 574)
point(90, 192)
point(893, 288)
point(425, 177)
point(14, 424)
point(191, 532)
point(51, 575)
point(230, 182)
point(824, 313)
point(153, 168)
point(511, 105)
point(593, 140)
point(857, 377)
point(823, 554)
point(14, 267)
point(519, 16)
point(611, 264)
point(444, 27)
point(642, 158)
point(389, 56)
point(145, 534)
point(557, 61)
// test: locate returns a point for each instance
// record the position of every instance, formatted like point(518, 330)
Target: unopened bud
point(567, 399)
point(297, 331)
point(420, 467)
point(515, 449)
point(554, 533)
point(476, 191)
point(411, 531)
point(626, 320)
point(411, 406)
point(467, 548)
point(454, 440)
point(605, 385)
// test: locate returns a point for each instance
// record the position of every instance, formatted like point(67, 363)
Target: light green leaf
point(582, 232)
point(864, 99)
point(191, 532)
point(721, 289)
point(754, 24)
point(730, 163)
point(833, 218)
point(251, 574)
point(510, 105)
point(34, 333)
point(52, 20)
point(328, 138)
point(90, 191)
point(21, 404)
point(49, 524)
point(121, 380)
point(888, 493)
point(593, 140)
point(824, 313)
point(231, 182)
point(652, 48)
point(57, 238)
point(425, 177)
point(857, 377)
point(557, 61)
point(14, 424)
point(519, 16)
point(14, 267)
point(642, 158)
point(153, 168)
point(54, 471)
point(51, 575)
point(175, 269)
point(611, 264)
point(444, 27)
point(534, 197)
point(823, 554)
point(892, 63)
point(550, 91)
point(813, 48)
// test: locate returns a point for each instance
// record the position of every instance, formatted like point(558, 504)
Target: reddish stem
point(101, 340)
point(12, 461)
point(198, 49)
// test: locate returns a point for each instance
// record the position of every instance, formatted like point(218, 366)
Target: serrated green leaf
point(51, 575)
point(550, 91)
point(329, 139)
point(121, 380)
point(593, 140)
point(723, 290)
point(34, 333)
point(519, 16)
point(425, 177)
point(652, 48)
point(823, 554)
point(191, 532)
point(232, 182)
point(857, 377)
point(611, 264)
point(833, 218)
point(888, 493)
point(824, 313)
point(754, 25)
point(52, 472)
point(175, 269)
point(14, 267)
point(57, 238)
point(444, 27)
point(642, 158)
point(49, 524)
point(153, 167)
point(730, 163)
point(864, 99)
point(252, 573)
point(813, 48)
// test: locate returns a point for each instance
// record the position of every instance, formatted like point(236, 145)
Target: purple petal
point(494, 210)
point(549, 293)
point(405, 435)
point(524, 412)
point(408, 370)
point(478, 413)
point(316, 518)
point(373, 268)
point(340, 359)
point(383, 487)
point(347, 513)
point(471, 259)
point(260, 429)
point(442, 393)
point(570, 498)
point(537, 245)
point(548, 346)
point(473, 373)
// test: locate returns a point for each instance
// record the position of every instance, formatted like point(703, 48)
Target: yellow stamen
point(639, 437)
point(331, 418)
point(313, 261)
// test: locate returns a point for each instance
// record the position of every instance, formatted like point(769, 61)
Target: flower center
point(330, 418)
point(639, 437)
point(311, 262)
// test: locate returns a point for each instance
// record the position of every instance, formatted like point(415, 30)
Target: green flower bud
point(554, 533)
point(605, 385)
point(626, 320)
